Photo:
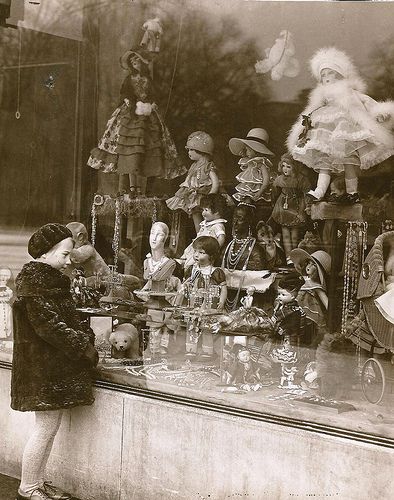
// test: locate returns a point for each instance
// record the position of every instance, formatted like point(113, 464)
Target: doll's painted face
point(59, 255)
point(248, 152)
point(241, 224)
point(250, 290)
point(5, 275)
point(201, 257)
point(135, 63)
point(284, 296)
point(310, 269)
point(208, 215)
point(328, 75)
point(265, 235)
point(287, 169)
point(194, 155)
point(244, 356)
point(157, 236)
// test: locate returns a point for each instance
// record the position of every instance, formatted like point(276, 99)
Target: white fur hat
point(332, 58)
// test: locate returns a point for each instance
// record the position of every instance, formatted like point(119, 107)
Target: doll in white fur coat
point(341, 129)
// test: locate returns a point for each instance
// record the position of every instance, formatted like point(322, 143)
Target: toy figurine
point(341, 129)
point(152, 36)
point(279, 59)
point(158, 269)
point(213, 206)
point(271, 252)
point(311, 241)
point(6, 295)
point(242, 252)
point(288, 318)
point(136, 141)
point(254, 179)
point(312, 296)
point(289, 209)
point(243, 372)
point(202, 177)
point(205, 286)
point(247, 301)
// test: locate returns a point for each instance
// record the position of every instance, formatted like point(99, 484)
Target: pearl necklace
point(234, 256)
point(155, 265)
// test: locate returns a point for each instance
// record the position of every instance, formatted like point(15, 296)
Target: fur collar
point(38, 278)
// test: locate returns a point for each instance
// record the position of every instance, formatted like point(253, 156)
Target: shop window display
point(264, 284)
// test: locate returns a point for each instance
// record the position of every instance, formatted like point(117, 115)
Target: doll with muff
point(136, 141)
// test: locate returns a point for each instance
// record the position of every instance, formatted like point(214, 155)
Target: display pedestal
point(335, 218)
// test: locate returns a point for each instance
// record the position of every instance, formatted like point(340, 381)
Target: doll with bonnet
point(341, 129)
point(136, 141)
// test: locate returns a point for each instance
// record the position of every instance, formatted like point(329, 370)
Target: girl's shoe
point(37, 494)
point(55, 493)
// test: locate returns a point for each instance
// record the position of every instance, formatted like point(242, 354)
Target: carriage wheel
point(373, 380)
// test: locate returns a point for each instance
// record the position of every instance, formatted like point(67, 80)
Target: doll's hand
point(383, 117)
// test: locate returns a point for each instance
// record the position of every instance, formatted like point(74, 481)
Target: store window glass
point(226, 171)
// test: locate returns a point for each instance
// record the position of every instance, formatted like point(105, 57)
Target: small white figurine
point(152, 36)
point(280, 59)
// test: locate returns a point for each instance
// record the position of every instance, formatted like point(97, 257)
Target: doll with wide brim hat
point(312, 296)
point(254, 178)
point(144, 56)
point(321, 258)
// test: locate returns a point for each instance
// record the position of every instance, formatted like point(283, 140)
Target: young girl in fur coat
point(53, 353)
point(341, 129)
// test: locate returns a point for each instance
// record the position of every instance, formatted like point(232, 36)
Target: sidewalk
point(8, 487)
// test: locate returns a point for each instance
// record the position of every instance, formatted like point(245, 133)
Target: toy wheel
point(373, 381)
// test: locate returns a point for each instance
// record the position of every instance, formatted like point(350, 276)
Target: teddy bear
point(125, 342)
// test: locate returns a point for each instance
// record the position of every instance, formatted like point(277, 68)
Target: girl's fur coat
point(52, 365)
point(361, 109)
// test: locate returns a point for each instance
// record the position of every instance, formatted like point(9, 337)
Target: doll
point(254, 179)
point(311, 241)
point(271, 252)
point(288, 318)
point(152, 35)
point(247, 301)
point(289, 209)
point(201, 179)
point(136, 140)
point(312, 296)
point(6, 295)
point(158, 270)
point(244, 371)
point(385, 303)
point(341, 129)
point(205, 285)
point(213, 207)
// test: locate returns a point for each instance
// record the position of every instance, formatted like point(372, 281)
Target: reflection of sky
point(351, 26)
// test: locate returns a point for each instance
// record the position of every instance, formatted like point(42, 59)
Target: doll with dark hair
point(205, 286)
point(289, 209)
point(213, 207)
point(271, 252)
point(136, 140)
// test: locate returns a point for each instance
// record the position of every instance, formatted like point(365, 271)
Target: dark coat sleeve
point(48, 325)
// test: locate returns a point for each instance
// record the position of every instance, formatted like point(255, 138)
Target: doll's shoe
point(55, 493)
point(37, 494)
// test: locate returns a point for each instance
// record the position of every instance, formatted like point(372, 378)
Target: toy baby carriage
point(376, 282)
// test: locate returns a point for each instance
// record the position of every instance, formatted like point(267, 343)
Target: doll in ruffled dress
point(6, 295)
point(136, 141)
point(254, 178)
point(289, 209)
point(201, 179)
point(341, 129)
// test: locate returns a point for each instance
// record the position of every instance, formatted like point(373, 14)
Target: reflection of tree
point(381, 70)
point(215, 87)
